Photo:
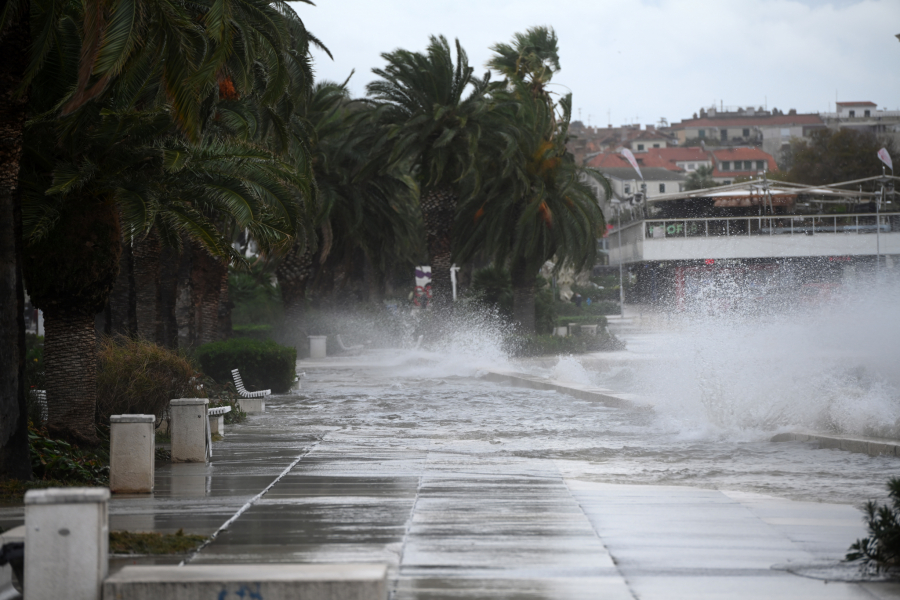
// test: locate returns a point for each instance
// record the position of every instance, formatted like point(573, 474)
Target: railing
point(777, 225)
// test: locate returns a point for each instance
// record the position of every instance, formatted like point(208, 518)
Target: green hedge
point(257, 332)
point(582, 320)
point(263, 363)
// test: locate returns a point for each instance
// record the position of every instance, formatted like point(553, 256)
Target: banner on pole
point(886, 158)
point(630, 157)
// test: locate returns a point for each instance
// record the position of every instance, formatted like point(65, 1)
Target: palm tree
point(120, 160)
point(434, 126)
point(700, 179)
point(541, 208)
point(532, 58)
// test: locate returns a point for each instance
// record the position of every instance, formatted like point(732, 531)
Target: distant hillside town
point(735, 143)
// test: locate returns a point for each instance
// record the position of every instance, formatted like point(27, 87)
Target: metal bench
point(239, 385)
point(221, 410)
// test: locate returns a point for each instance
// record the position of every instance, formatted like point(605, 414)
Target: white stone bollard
point(573, 328)
point(561, 331)
point(252, 405)
point(189, 422)
point(66, 543)
point(132, 453)
point(217, 425)
point(317, 346)
point(591, 329)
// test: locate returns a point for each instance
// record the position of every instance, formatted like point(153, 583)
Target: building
point(732, 163)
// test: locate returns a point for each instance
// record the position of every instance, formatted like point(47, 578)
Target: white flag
point(886, 158)
point(628, 155)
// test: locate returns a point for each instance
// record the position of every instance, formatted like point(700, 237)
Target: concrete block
point(861, 446)
point(217, 425)
point(590, 329)
point(783, 437)
point(252, 405)
point(826, 442)
point(132, 453)
point(317, 346)
point(879, 448)
point(269, 581)
point(66, 543)
point(188, 423)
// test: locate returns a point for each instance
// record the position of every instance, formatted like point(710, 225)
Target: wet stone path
point(466, 490)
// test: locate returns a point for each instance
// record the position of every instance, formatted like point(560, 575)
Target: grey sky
point(645, 60)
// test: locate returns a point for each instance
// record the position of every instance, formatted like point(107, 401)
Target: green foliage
point(225, 395)
point(59, 460)
point(700, 179)
point(881, 549)
point(34, 375)
point(493, 286)
point(139, 377)
point(545, 308)
point(128, 542)
point(551, 345)
point(582, 320)
point(257, 300)
point(263, 363)
point(829, 156)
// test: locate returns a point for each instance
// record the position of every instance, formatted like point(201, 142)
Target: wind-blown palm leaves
point(134, 159)
point(540, 204)
point(434, 110)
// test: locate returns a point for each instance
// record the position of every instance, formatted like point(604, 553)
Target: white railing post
point(318, 346)
point(66, 543)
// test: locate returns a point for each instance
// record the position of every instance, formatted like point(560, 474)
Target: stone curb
point(605, 397)
point(860, 445)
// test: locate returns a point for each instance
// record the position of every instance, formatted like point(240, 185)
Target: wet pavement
point(456, 484)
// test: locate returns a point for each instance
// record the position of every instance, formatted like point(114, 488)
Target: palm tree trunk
point(524, 281)
point(121, 318)
point(206, 277)
point(70, 353)
point(14, 459)
point(168, 288)
point(184, 294)
point(146, 253)
point(294, 273)
point(438, 213)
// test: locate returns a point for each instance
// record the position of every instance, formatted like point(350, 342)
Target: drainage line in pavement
point(244, 508)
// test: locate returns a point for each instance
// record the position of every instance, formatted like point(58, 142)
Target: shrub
point(493, 286)
point(881, 550)
point(138, 377)
point(263, 363)
point(60, 461)
point(257, 332)
point(544, 345)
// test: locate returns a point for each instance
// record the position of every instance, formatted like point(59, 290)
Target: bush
point(263, 363)
point(493, 286)
point(881, 550)
point(544, 345)
point(257, 332)
point(138, 377)
point(60, 461)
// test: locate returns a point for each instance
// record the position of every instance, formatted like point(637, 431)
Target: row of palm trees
point(158, 128)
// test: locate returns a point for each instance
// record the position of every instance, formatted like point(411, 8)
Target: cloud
point(639, 61)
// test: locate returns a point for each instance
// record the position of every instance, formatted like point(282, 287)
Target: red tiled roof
point(808, 119)
point(866, 103)
point(665, 158)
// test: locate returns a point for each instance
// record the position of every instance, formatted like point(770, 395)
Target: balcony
point(756, 237)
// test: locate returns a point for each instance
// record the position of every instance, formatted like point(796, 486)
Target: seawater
point(720, 387)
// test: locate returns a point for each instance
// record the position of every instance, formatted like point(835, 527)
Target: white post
point(66, 543)
point(317, 346)
point(189, 429)
point(453, 270)
point(132, 453)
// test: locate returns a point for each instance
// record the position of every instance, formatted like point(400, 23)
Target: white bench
point(217, 419)
point(239, 385)
point(346, 348)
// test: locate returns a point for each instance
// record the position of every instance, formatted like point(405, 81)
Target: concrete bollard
point(560, 331)
point(591, 329)
point(188, 423)
point(132, 453)
point(66, 543)
point(317, 346)
point(573, 328)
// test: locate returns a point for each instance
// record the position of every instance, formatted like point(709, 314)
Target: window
point(748, 165)
point(852, 113)
point(746, 133)
point(723, 134)
point(691, 166)
point(627, 189)
point(640, 146)
point(726, 165)
point(727, 182)
point(867, 114)
point(656, 145)
point(701, 134)
point(785, 132)
point(760, 165)
point(662, 188)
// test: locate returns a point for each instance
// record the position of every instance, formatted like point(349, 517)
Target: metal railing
point(771, 225)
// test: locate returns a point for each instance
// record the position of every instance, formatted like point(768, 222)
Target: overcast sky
point(639, 61)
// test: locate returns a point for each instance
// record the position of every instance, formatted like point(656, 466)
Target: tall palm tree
point(540, 209)
point(433, 110)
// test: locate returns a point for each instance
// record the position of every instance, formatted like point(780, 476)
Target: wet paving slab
point(455, 513)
